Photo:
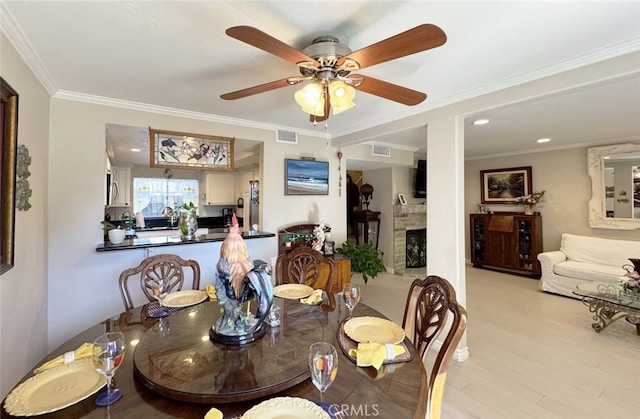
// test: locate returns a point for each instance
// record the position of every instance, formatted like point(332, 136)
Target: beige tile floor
point(532, 354)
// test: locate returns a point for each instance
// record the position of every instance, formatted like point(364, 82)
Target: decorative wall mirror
point(615, 191)
point(8, 147)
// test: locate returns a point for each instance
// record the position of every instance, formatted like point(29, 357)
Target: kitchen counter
point(172, 240)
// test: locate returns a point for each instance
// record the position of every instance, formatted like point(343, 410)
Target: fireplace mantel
point(406, 217)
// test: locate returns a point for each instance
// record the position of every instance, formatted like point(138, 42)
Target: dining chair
point(166, 267)
point(430, 303)
point(303, 265)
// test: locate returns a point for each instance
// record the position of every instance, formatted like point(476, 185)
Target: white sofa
point(584, 259)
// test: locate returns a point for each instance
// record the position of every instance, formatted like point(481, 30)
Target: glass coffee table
point(609, 303)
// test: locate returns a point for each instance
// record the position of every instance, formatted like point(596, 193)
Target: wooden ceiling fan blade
point(254, 90)
point(420, 38)
point(268, 43)
point(390, 91)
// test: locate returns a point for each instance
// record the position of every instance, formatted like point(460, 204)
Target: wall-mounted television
point(306, 177)
point(420, 185)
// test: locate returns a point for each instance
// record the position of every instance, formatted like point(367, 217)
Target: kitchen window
point(152, 195)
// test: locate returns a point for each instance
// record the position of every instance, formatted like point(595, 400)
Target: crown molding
point(14, 34)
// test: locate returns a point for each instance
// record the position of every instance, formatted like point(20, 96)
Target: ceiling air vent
point(289, 137)
point(381, 150)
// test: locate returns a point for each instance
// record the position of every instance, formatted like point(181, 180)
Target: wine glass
point(351, 296)
point(108, 352)
point(323, 365)
point(160, 291)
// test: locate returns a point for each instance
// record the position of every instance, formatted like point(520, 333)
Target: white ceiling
point(175, 54)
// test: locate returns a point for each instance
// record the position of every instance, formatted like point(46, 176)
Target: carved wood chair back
point(167, 267)
point(302, 266)
point(431, 302)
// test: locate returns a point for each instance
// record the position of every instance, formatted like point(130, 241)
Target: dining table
point(174, 368)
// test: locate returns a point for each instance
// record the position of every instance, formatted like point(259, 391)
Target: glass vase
point(188, 224)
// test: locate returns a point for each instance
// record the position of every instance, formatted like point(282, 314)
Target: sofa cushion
point(596, 250)
point(589, 271)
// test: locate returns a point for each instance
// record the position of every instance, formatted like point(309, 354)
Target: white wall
point(23, 289)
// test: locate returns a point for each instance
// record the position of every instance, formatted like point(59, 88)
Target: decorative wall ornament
point(23, 192)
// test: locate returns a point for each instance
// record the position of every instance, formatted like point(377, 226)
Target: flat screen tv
point(420, 185)
point(306, 177)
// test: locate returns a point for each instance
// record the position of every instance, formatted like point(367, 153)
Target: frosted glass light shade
point(341, 96)
point(310, 98)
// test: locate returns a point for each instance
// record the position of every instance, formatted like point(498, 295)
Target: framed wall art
point(503, 186)
point(306, 177)
point(8, 151)
point(182, 150)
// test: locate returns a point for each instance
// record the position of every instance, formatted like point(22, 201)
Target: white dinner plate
point(373, 329)
point(286, 408)
point(184, 298)
point(292, 291)
point(55, 389)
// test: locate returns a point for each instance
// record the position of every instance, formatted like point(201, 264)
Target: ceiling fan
point(328, 65)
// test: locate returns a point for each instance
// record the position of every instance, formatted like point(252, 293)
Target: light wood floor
point(532, 354)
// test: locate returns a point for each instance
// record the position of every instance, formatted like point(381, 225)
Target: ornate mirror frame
point(597, 209)
point(8, 148)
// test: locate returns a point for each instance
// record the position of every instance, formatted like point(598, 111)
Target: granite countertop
point(141, 243)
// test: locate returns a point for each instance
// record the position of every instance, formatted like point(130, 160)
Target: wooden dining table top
point(172, 368)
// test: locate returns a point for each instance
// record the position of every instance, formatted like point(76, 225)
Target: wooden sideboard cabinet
point(507, 241)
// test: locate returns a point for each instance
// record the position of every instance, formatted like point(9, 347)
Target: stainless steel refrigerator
point(251, 199)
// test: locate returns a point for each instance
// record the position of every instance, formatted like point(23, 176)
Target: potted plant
point(364, 259)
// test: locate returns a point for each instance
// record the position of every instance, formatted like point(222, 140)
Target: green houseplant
point(364, 259)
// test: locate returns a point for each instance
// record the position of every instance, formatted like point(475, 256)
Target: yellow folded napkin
point(213, 413)
point(211, 292)
point(83, 351)
point(313, 299)
point(371, 354)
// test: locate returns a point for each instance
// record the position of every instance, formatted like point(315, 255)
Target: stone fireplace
point(408, 221)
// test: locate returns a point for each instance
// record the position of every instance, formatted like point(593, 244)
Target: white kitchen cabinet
point(121, 186)
point(220, 189)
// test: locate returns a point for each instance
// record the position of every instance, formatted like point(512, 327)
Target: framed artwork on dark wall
point(306, 177)
point(503, 186)
point(8, 151)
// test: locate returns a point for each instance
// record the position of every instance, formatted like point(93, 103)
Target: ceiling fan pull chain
point(327, 136)
point(339, 172)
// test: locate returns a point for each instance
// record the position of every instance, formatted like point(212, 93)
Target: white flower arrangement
point(530, 200)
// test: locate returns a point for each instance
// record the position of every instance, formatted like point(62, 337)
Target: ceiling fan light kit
point(326, 64)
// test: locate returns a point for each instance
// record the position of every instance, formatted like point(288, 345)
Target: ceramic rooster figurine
point(237, 282)
point(234, 250)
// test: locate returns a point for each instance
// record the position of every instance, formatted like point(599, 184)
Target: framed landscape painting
point(503, 186)
point(306, 177)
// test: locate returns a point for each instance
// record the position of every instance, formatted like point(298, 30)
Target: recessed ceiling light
point(136, 150)
point(480, 122)
point(543, 140)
